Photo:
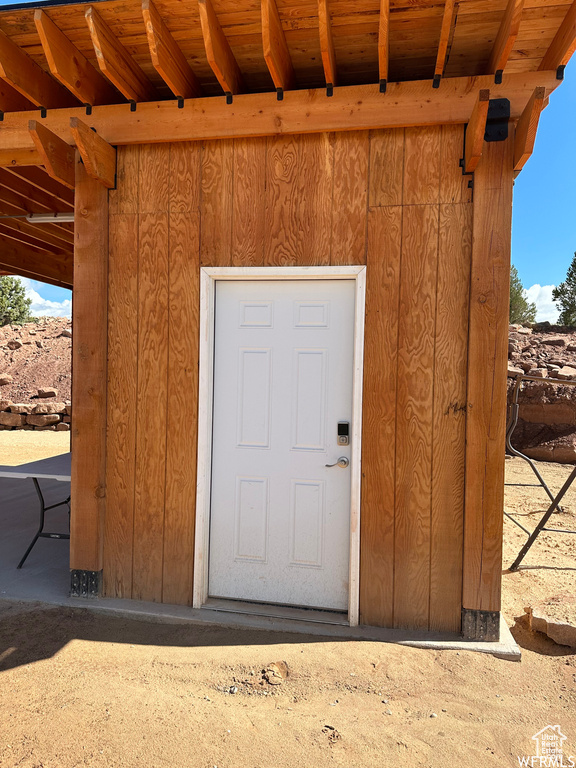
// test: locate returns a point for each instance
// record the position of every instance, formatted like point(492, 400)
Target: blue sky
point(544, 214)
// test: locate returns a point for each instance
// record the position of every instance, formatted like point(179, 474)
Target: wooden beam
point(445, 32)
point(98, 156)
point(218, 51)
point(33, 182)
point(563, 45)
point(167, 58)
point(20, 157)
point(505, 38)
point(33, 235)
point(486, 396)
point(20, 259)
point(12, 100)
point(71, 67)
point(23, 74)
point(475, 131)
point(357, 107)
point(276, 53)
point(384, 44)
point(89, 363)
point(57, 156)
point(527, 127)
point(116, 63)
point(54, 234)
point(327, 44)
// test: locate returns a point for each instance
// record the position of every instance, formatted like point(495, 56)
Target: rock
point(540, 373)
point(556, 618)
point(67, 333)
point(524, 331)
point(5, 378)
point(47, 428)
point(5, 405)
point(14, 344)
point(514, 371)
point(68, 410)
point(276, 672)
point(12, 419)
point(39, 344)
point(21, 408)
point(47, 392)
point(50, 408)
point(566, 373)
point(543, 326)
point(526, 365)
point(554, 341)
point(62, 427)
point(43, 420)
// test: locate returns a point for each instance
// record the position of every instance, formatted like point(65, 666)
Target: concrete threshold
point(505, 648)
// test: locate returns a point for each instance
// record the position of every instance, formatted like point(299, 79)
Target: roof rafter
point(327, 45)
point(19, 259)
point(563, 45)
point(448, 19)
point(116, 63)
point(28, 191)
point(34, 235)
point(12, 205)
point(527, 128)
point(276, 53)
point(71, 67)
point(384, 44)
point(505, 39)
point(218, 52)
point(167, 58)
point(23, 74)
point(57, 156)
point(12, 100)
point(475, 131)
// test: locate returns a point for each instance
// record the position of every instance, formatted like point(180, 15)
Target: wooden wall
point(394, 200)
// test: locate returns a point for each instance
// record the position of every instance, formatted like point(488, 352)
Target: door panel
point(283, 369)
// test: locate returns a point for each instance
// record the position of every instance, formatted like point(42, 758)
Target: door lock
point(343, 433)
point(342, 462)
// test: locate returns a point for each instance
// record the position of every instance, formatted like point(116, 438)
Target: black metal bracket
point(279, 94)
point(498, 77)
point(180, 100)
point(1, 115)
point(229, 97)
point(436, 81)
point(85, 583)
point(560, 72)
point(383, 84)
point(88, 109)
point(329, 89)
point(132, 105)
point(497, 120)
point(481, 625)
point(42, 111)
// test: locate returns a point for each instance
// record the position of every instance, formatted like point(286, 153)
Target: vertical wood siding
point(394, 200)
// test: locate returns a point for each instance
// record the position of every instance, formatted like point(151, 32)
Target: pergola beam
point(218, 52)
point(12, 100)
point(98, 156)
point(445, 32)
point(327, 44)
point(475, 132)
point(384, 44)
point(167, 58)
point(276, 53)
point(19, 259)
point(527, 128)
point(57, 156)
point(10, 159)
point(505, 39)
point(33, 183)
point(357, 107)
point(563, 45)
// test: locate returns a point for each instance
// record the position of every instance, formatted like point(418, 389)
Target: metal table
point(54, 468)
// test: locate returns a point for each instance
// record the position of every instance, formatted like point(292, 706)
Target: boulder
point(12, 419)
point(66, 333)
point(62, 427)
point(21, 408)
point(554, 341)
point(47, 392)
point(556, 618)
point(514, 371)
point(566, 372)
point(14, 344)
point(49, 408)
point(43, 420)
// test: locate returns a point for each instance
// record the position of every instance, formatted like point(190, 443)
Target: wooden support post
point(527, 127)
point(563, 45)
point(327, 43)
point(57, 156)
point(89, 366)
point(276, 53)
point(445, 32)
point(218, 51)
point(505, 39)
point(167, 58)
point(384, 43)
point(98, 156)
point(475, 132)
point(486, 418)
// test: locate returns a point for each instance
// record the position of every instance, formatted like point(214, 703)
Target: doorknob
point(342, 462)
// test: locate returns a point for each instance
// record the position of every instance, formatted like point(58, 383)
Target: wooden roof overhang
point(142, 71)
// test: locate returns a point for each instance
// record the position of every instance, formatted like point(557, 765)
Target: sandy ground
point(20, 447)
point(84, 690)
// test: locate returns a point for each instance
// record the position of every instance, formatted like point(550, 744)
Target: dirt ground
point(78, 689)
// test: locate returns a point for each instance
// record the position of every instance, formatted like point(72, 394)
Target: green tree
point(521, 310)
point(14, 306)
point(564, 296)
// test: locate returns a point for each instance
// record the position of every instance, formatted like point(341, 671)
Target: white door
point(283, 372)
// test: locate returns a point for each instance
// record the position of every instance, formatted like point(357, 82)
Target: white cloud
point(541, 295)
point(41, 306)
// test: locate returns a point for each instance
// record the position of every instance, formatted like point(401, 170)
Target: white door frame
point(208, 278)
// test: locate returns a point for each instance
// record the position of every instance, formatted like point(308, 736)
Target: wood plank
point(216, 204)
point(474, 140)
point(89, 362)
point(36, 235)
point(29, 79)
point(327, 43)
point(126, 197)
point(151, 416)
point(167, 57)
point(386, 167)
point(350, 198)
point(487, 358)
point(276, 53)
point(56, 269)
point(70, 67)
point(122, 404)
point(57, 156)
point(414, 413)
point(13, 203)
point(314, 189)
point(29, 194)
point(525, 135)
point(115, 62)
point(303, 111)
point(218, 51)
point(448, 18)
point(98, 156)
point(453, 183)
point(154, 167)
point(249, 203)
point(282, 201)
point(449, 425)
point(185, 174)
point(564, 43)
point(31, 177)
point(379, 416)
point(506, 37)
point(12, 100)
point(422, 165)
point(184, 304)
point(383, 43)
point(20, 157)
